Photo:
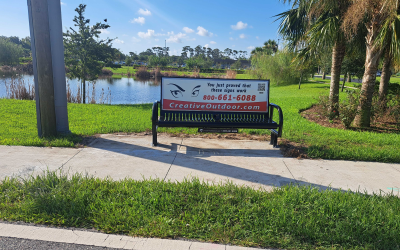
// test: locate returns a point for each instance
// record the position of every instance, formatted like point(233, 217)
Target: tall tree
point(271, 45)
point(313, 25)
point(85, 53)
point(9, 52)
point(376, 16)
point(390, 40)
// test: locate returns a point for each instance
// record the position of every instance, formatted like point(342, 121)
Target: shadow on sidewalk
point(196, 160)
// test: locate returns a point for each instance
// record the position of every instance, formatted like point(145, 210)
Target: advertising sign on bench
point(214, 95)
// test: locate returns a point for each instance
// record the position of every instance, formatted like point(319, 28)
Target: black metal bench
point(207, 120)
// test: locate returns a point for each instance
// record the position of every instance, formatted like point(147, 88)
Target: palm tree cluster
point(342, 26)
point(270, 47)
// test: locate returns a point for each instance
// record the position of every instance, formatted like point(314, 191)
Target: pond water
point(123, 91)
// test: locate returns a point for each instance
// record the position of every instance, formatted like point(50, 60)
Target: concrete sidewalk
point(251, 163)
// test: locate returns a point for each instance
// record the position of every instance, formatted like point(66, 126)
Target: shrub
point(348, 108)
point(106, 72)
point(143, 73)
point(230, 74)
point(17, 89)
point(277, 67)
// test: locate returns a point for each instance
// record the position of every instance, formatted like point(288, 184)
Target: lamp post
point(48, 67)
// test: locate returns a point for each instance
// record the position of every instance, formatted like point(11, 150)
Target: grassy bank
point(19, 126)
point(290, 217)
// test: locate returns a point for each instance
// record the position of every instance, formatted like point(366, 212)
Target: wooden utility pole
point(48, 66)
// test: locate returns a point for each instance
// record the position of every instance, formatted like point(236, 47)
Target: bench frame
point(217, 119)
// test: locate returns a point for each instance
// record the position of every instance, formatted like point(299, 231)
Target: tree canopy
point(85, 53)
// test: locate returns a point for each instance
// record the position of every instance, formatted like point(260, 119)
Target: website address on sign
point(210, 106)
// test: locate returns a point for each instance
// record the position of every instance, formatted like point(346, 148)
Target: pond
point(123, 90)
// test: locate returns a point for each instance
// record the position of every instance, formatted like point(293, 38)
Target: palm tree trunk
point(301, 76)
point(363, 117)
point(344, 80)
point(84, 91)
point(385, 77)
point(338, 53)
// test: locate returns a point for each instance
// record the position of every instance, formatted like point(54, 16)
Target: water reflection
point(123, 90)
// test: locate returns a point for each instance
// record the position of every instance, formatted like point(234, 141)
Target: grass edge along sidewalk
point(290, 217)
point(18, 126)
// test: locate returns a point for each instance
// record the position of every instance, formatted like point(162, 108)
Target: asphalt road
point(24, 244)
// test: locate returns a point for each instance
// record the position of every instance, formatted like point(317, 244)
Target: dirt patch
point(381, 124)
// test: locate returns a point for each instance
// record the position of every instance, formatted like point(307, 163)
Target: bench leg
point(154, 132)
point(272, 139)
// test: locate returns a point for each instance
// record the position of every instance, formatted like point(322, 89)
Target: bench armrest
point(273, 106)
point(154, 112)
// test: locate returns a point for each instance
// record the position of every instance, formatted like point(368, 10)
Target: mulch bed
point(382, 124)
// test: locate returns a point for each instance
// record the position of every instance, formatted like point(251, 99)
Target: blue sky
point(140, 24)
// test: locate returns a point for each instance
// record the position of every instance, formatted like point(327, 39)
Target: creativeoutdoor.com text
point(211, 106)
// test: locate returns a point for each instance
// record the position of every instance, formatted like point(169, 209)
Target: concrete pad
point(206, 246)
point(55, 235)
point(113, 241)
point(229, 147)
point(111, 142)
point(396, 166)
point(9, 230)
point(101, 239)
point(164, 244)
point(89, 238)
point(136, 164)
point(24, 161)
point(248, 170)
point(356, 176)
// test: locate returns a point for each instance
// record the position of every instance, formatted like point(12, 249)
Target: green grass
point(18, 123)
point(19, 126)
point(290, 217)
point(122, 70)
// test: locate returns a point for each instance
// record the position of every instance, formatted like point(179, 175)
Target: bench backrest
point(214, 96)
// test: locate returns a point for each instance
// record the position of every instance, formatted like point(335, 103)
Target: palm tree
point(389, 38)
point(271, 45)
point(312, 26)
point(377, 16)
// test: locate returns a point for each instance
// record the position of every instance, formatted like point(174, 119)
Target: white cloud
point(188, 30)
point(135, 40)
point(62, 3)
point(157, 40)
point(175, 38)
point(242, 36)
point(257, 38)
point(103, 31)
point(231, 38)
point(239, 26)
point(203, 32)
point(207, 46)
point(151, 33)
point(144, 12)
point(233, 46)
point(118, 41)
point(140, 20)
point(212, 42)
point(251, 47)
point(148, 34)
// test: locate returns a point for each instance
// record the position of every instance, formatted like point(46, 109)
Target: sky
point(137, 25)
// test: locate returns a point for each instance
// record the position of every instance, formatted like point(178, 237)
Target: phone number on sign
point(229, 97)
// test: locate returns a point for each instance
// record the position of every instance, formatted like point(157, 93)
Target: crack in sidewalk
point(173, 160)
point(289, 170)
point(62, 166)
